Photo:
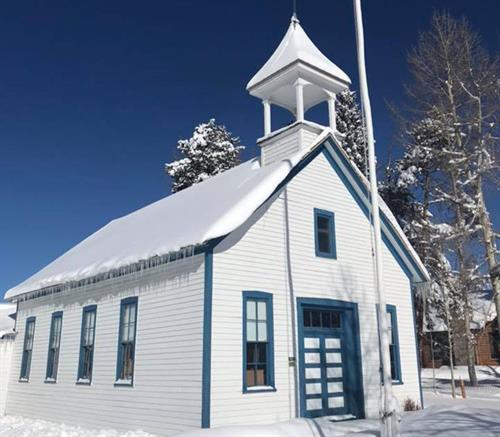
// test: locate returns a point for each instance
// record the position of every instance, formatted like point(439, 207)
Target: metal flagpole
point(389, 420)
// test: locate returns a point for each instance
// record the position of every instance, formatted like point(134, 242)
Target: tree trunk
point(450, 340)
point(490, 248)
point(470, 344)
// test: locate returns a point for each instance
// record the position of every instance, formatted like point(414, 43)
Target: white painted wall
point(256, 260)
point(166, 396)
point(6, 349)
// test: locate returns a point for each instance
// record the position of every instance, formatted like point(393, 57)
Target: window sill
point(83, 382)
point(259, 389)
point(50, 381)
point(395, 382)
point(24, 380)
point(326, 255)
point(123, 383)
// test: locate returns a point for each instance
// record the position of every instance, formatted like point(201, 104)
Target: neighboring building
point(483, 326)
point(248, 298)
point(7, 337)
point(7, 319)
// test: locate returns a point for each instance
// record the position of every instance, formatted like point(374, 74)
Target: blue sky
point(94, 95)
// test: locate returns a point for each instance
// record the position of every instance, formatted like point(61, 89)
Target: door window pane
point(325, 319)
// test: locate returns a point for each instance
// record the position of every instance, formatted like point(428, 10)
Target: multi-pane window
point(393, 343)
point(29, 335)
point(324, 228)
point(126, 343)
point(258, 340)
point(86, 362)
point(54, 346)
point(325, 319)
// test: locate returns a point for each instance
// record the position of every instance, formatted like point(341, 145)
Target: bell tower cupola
point(296, 77)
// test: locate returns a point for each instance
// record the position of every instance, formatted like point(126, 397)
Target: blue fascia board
point(207, 337)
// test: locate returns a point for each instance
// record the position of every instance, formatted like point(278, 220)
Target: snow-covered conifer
point(211, 150)
point(350, 123)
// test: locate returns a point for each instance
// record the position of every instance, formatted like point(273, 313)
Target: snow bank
point(445, 421)
point(16, 426)
point(483, 373)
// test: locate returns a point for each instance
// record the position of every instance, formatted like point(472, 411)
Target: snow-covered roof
point(6, 323)
point(191, 217)
point(297, 46)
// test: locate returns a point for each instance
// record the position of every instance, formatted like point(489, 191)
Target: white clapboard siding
point(255, 259)
point(166, 396)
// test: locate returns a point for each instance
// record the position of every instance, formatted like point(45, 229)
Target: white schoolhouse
point(248, 298)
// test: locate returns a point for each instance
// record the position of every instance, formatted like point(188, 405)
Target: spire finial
point(294, 15)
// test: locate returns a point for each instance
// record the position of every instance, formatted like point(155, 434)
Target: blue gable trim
point(383, 217)
point(388, 225)
point(207, 337)
point(366, 211)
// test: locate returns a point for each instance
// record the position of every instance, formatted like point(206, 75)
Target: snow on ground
point(478, 415)
point(483, 373)
point(487, 391)
point(451, 419)
point(447, 418)
point(15, 426)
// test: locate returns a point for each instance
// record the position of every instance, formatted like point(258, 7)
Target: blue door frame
point(352, 376)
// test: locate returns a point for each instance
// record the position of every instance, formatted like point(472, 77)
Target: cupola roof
point(296, 56)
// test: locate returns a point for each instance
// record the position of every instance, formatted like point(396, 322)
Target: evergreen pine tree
point(210, 150)
point(350, 123)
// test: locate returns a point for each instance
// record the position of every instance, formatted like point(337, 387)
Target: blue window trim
point(268, 299)
point(24, 375)
point(85, 310)
point(392, 311)
point(119, 355)
point(48, 379)
point(331, 222)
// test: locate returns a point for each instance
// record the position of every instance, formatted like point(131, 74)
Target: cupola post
point(267, 117)
point(299, 99)
point(332, 115)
